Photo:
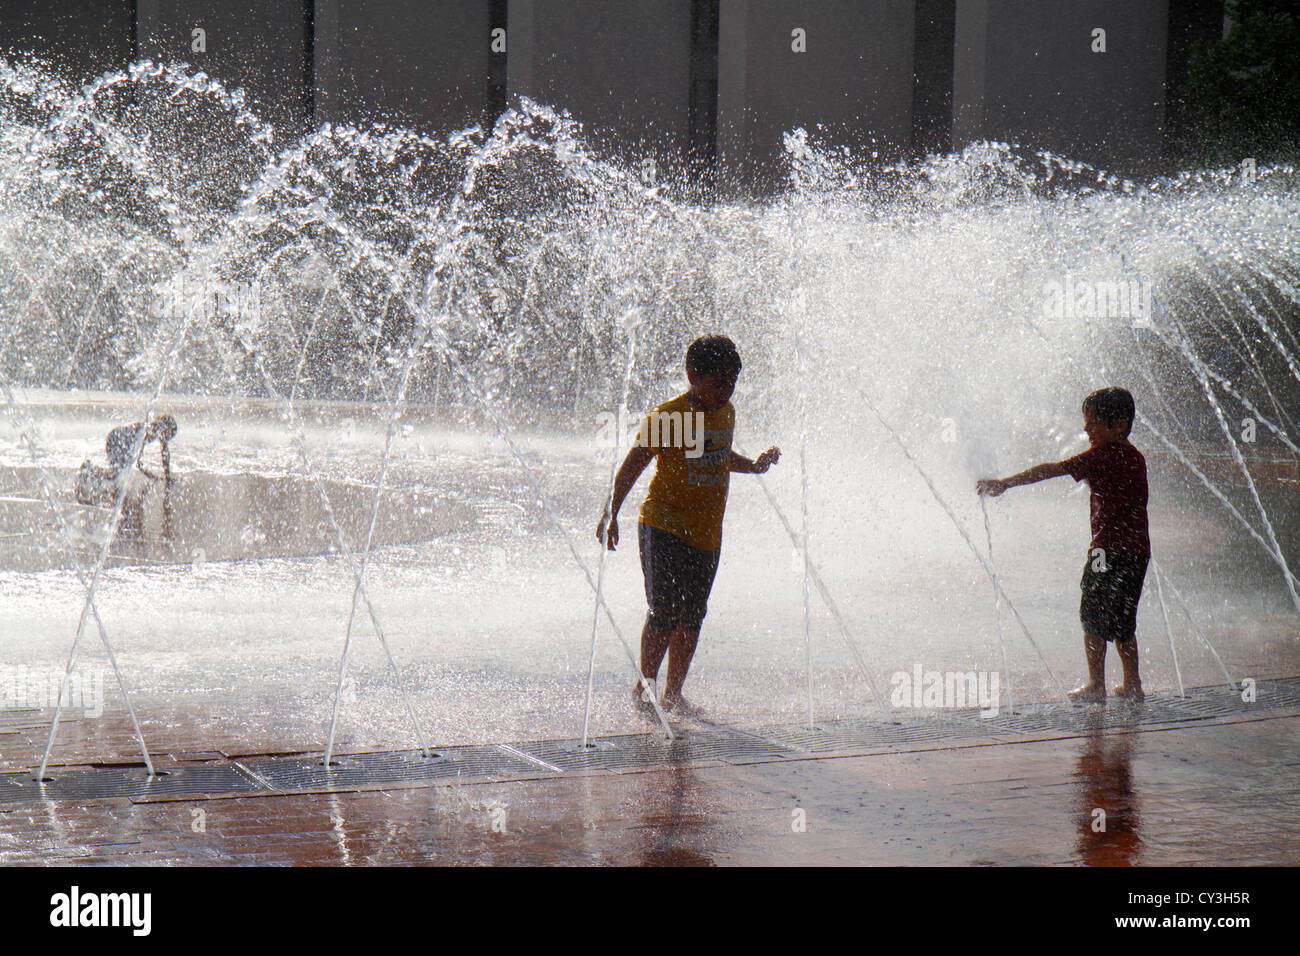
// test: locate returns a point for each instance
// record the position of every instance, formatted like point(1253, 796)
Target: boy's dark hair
point(713, 353)
point(1110, 405)
point(165, 423)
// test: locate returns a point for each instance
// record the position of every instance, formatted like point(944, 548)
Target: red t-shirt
point(1117, 476)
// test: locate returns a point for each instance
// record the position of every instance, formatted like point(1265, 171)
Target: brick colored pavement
point(1222, 792)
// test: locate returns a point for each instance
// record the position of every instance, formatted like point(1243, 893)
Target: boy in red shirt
point(1117, 561)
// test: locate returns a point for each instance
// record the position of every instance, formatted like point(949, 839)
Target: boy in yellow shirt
point(680, 526)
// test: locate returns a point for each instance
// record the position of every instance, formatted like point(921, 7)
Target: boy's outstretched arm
point(995, 486)
point(758, 466)
point(637, 458)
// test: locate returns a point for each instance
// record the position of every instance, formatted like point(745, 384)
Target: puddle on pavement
point(213, 518)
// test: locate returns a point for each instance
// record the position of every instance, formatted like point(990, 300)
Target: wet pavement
point(1221, 790)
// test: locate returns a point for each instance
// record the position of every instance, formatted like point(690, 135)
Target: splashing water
point(997, 604)
point(465, 299)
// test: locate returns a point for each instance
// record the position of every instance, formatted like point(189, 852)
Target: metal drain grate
point(130, 782)
point(1066, 719)
point(844, 736)
point(732, 746)
point(1279, 693)
point(635, 751)
point(364, 770)
point(609, 753)
point(1193, 708)
point(911, 733)
point(836, 736)
point(638, 751)
point(1038, 719)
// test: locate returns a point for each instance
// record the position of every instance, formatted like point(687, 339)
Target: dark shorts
point(1109, 606)
point(678, 579)
point(118, 445)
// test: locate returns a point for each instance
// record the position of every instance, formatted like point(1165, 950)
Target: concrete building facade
point(1085, 79)
point(701, 88)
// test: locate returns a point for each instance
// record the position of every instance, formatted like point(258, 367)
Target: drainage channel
point(704, 744)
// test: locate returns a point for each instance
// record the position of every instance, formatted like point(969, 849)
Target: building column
point(146, 29)
point(702, 99)
point(932, 76)
point(732, 145)
point(521, 17)
point(498, 84)
point(969, 69)
point(325, 61)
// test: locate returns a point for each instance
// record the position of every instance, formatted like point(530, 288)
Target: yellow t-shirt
point(688, 493)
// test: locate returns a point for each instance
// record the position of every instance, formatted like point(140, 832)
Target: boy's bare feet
point(1089, 693)
point(642, 698)
point(680, 707)
point(1133, 692)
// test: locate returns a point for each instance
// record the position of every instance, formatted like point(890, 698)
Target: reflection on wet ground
point(1212, 792)
point(1108, 807)
point(212, 517)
